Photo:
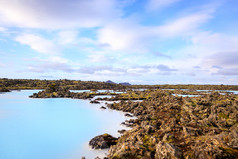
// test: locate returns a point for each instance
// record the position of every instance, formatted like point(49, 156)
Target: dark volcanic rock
point(3, 89)
point(95, 102)
point(121, 131)
point(176, 127)
point(102, 107)
point(128, 115)
point(103, 141)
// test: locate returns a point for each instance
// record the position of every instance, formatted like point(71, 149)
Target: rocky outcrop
point(3, 89)
point(102, 141)
point(170, 126)
point(62, 94)
point(128, 115)
point(95, 102)
point(121, 131)
point(167, 150)
point(175, 127)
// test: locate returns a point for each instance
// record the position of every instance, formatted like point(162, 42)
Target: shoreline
point(119, 116)
point(168, 124)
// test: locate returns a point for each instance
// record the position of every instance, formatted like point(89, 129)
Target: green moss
point(48, 94)
point(106, 134)
point(147, 144)
point(126, 155)
point(189, 155)
point(222, 115)
point(55, 94)
point(170, 139)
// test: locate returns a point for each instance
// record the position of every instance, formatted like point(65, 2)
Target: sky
point(135, 41)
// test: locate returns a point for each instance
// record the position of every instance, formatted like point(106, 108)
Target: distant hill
point(109, 81)
point(125, 84)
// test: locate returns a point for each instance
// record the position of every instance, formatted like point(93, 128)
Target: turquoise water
point(185, 95)
point(98, 91)
point(55, 128)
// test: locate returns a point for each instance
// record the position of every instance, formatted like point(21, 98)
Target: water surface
point(98, 91)
point(54, 128)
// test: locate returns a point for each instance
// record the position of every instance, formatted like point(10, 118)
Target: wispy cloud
point(222, 63)
point(102, 70)
point(38, 44)
point(57, 14)
point(223, 59)
point(227, 72)
point(185, 25)
point(50, 64)
point(128, 34)
point(67, 37)
point(170, 40)
point(164, 68)
point(2, 29)
point(159, 4)
point(2, 65)
point(100, 58)
point(162, 55)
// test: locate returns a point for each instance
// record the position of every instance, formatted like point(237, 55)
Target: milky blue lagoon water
point(54, 128)
point(99, 91)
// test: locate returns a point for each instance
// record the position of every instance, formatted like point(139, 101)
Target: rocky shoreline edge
point(170, 126)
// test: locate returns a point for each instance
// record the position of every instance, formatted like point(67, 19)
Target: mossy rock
point(230, 152)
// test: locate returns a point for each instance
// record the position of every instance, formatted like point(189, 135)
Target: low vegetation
point(14, 84)
point(179, 127)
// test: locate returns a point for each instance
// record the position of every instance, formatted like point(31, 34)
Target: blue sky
point(138, 41)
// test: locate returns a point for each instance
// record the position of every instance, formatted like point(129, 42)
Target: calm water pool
point(55, 128)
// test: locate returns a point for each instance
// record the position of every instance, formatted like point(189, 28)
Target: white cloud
point(159, 4)
point(38, 44)
point(50, 64)
point(67, 37)
point(2, 29)
point(57, 59)
point(183, 26)
point(85, 40)
point(214, 53)
point(128, 35)
point(216, 42)
point(122, 34)
point(204, 45)
point(55, 14)
point(100, 58)
point(2, 65)
point(223, 59)
point(222, 63)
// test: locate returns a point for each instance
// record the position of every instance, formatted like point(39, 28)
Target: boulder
point(167, 150)
point(95, 102)
point(128, 115)
point(121, 131)
point(103, 141)
point(102, 107)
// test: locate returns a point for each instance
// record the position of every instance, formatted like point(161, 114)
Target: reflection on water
point(55, 128)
